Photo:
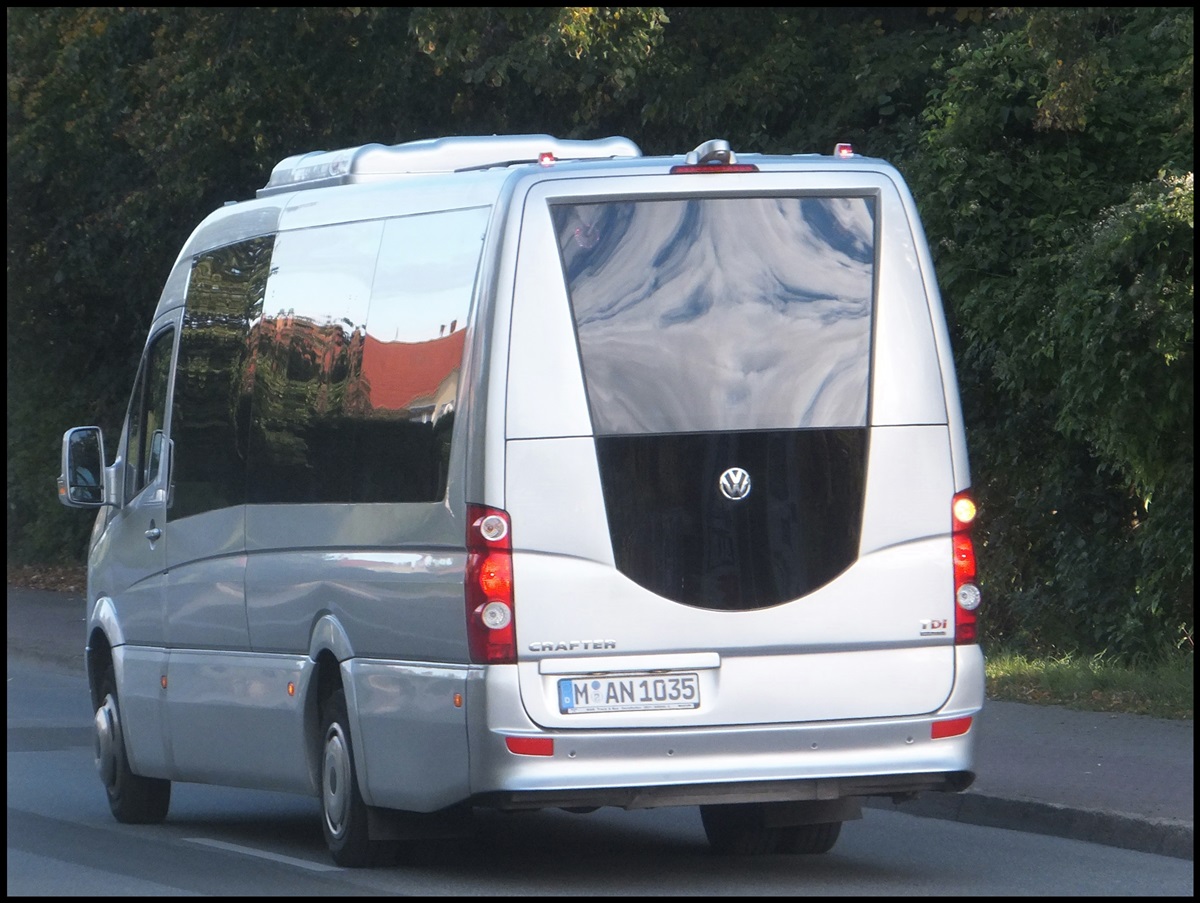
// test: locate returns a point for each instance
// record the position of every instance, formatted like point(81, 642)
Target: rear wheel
point(343, 812)
point(809, 839)
point(738, 829)
point(742, 829)
point(133, 799)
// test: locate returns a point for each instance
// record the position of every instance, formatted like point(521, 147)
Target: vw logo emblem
point(735, 484)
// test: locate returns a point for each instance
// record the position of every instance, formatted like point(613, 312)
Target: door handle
point(153, 534)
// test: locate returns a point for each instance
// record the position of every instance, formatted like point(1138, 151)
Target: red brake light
point(713, 167)
point(966, 592)
point(495, 575)
point(491, 614)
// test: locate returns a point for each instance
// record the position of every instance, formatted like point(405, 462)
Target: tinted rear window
point(722, 314)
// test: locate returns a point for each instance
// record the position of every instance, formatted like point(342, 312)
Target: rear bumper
point(634, 768)
point(898, 787)
point(431, 737)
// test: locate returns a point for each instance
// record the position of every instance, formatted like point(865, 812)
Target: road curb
point(1163, 837)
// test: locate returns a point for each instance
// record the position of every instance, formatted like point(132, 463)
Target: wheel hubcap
point(335, 780)
point(106, 739)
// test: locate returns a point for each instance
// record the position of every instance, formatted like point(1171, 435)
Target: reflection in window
point(210, 412)
point(722, 313)
point(305, 366)
point(354, 367)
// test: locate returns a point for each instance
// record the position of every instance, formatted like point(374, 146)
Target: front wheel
point(343, 812)
point(133, 799)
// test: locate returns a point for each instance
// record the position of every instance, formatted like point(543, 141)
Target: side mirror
point(81, 483)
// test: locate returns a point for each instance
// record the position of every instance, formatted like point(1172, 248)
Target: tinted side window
point(305, 365)
point(355, 363)
point(145, 442)
point(210, 413)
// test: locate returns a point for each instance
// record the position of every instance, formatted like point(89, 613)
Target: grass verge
point(1162, 690)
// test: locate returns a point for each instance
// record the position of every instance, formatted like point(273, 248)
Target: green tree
point(796, 80)
point(570, 71)
point(71, 312)
point(1065, 246)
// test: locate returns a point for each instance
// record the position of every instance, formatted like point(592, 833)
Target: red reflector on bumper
point(531, 746)
point(952, 728)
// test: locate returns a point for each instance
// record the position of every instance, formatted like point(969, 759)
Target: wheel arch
point(104, 635)
point(98, 658)
point(329, 648)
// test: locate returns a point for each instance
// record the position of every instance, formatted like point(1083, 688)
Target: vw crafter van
point(518, 472)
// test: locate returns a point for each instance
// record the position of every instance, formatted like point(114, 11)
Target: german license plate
point(628, 693)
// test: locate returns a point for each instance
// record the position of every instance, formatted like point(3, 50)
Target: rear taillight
point(491, 615)
point(966, 592)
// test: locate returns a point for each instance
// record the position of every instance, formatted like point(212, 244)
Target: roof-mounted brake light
point(843, 150)
point(712, 156)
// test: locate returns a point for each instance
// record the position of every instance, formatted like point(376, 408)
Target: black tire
point(133, 799)
point(343, 812)
point(739, 829)
point(809, 839)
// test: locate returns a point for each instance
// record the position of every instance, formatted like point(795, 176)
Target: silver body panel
point(220, 629)
point(414, 741)
point(398, 606)
point(231, 720)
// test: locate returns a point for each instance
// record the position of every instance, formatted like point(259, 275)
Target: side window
point(305, 364)
point(145, 442)
point(413, 350)
point(210, 416)
point(355, 361)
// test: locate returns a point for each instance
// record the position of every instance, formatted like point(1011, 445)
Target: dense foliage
point(1050, 150)
point(1055, 173)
